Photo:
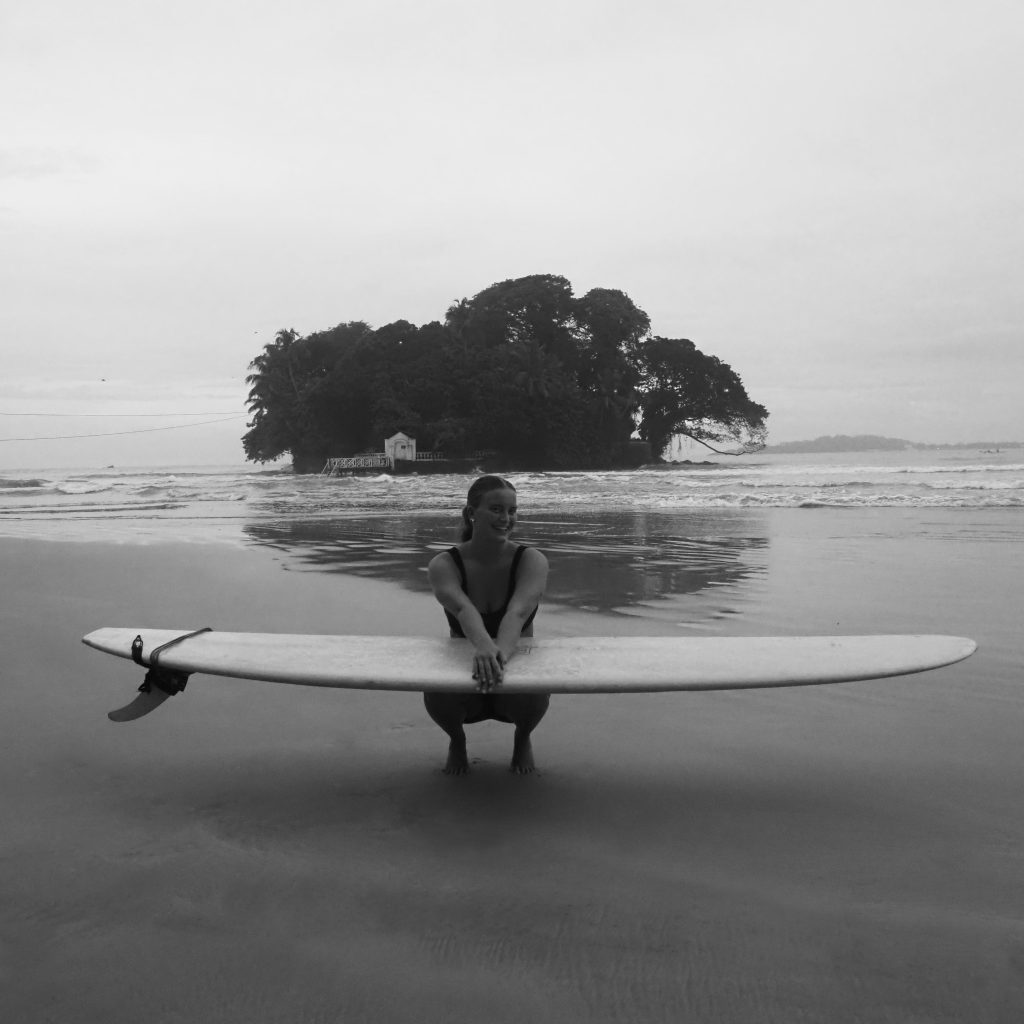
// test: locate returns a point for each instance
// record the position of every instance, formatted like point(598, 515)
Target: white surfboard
point(587, 664)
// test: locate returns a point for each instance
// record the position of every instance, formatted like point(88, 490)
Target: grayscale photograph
point(512, 512)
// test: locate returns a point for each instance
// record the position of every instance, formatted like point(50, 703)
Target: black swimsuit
point(492, 620)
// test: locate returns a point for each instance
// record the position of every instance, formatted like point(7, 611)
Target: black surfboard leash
point(167, 680)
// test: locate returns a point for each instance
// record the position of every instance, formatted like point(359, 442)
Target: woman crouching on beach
point(490, 588)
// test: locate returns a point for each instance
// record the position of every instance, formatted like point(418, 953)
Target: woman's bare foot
point(458, 760)
point(522, 755)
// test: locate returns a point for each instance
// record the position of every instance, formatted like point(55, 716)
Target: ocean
point(206, 500)
point(842, 853)
point(699, 546)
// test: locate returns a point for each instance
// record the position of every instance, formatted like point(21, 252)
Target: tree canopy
point(524, 368)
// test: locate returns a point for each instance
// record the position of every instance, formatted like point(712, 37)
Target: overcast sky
point(825, 195)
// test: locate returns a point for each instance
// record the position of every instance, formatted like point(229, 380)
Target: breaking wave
point(236, 498)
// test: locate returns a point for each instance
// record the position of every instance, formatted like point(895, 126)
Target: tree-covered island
point(525, 369)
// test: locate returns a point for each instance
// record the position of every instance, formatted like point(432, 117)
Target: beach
point(253, 852)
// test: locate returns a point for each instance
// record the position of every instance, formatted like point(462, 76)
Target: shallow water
point(205, 500)
point(846, 853)
point(689, 548)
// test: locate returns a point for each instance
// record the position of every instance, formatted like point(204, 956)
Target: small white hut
point(400, 447)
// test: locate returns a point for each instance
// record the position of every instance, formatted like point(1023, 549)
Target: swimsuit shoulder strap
point(456, 557)
point(516, 559)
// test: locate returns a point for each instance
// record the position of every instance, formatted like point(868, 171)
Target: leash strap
point(163, 679)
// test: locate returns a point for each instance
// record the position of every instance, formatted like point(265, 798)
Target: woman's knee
point(448, 708)
point(522, 709)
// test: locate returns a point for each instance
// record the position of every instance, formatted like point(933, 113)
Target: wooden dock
point(425, 462)
point(356, 463)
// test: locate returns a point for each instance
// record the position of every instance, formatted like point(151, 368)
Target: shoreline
point(838, 853)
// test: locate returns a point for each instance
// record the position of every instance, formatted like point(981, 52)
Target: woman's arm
point(531, 582)
point(444, 578)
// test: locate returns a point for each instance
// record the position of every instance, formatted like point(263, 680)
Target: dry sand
point(256, 853)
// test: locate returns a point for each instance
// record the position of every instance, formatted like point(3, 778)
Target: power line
point(111, 415)
point(117, 433)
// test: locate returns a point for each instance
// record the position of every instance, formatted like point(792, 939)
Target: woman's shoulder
point(450, 556)
point(529, 555)
point(455, 549)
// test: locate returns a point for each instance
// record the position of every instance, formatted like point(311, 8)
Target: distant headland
point(876, 443)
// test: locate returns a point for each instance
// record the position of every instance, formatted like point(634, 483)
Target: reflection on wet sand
point(602, 561)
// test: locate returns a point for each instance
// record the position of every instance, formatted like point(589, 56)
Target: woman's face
point(495, 516)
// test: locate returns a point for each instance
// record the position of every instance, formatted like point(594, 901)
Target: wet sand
point(253, 852)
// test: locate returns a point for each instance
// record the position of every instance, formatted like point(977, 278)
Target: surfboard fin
point(158, 685)
point(145, 702)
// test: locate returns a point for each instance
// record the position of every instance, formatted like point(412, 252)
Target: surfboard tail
point(159, 684)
